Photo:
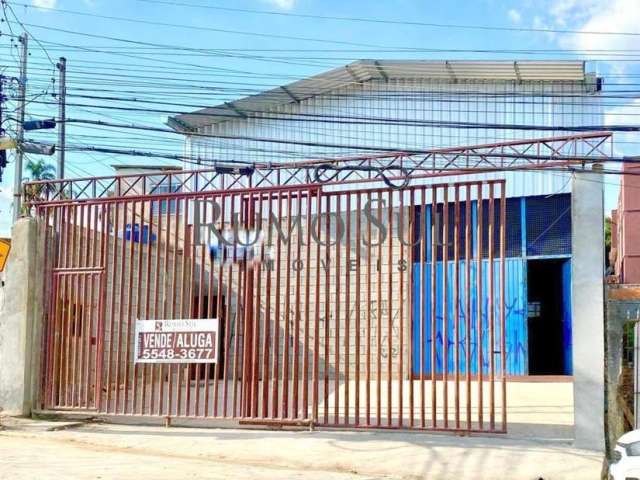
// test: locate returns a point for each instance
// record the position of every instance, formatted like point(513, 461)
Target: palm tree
point(40, 170)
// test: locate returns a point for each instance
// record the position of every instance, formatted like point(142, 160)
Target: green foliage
point(40, 170)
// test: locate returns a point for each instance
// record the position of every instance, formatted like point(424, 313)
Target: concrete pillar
point(20, 321)
point(587, 303)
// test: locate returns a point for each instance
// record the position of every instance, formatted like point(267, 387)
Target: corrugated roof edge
point(362, 71)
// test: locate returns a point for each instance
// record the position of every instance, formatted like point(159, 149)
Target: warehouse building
point(417, 299)
point(373, 106)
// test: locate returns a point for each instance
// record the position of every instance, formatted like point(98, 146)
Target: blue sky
point(583, 15)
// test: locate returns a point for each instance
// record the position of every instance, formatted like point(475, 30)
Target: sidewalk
point(29, 449)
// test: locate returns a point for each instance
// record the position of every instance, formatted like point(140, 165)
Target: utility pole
point(22, 93)
point(3, 153)
point(62, 93)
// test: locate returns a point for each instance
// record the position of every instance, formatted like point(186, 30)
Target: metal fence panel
point(320, 328)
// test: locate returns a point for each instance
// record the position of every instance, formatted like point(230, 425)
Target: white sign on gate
point(176, 341)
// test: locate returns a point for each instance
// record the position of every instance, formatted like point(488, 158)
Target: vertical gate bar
point(316, 333)
point(456, 301)
point(400, 230)
point(189, 252)
point(165, 284)
point(112, 309)
point(347, 303)
point(59, 348)
point(200, 305)
point(226, 373)
point(102, 303)
point(434, 302)
point(276, 323)
point(65, 247)
point(287, 309)
point(80, 317)
point(48, 280)
point(127, 360)
point(74, 298)
point(307, 306)
point(227, 312)
point(182, 369)
point(249, 314)
point(480, 299)
point(74, 310)
point(218, 309)
point(336, 350)
point(147, 306)
point(379, 317)
point(172, 304)
point(390, 307)
point(503, 300)
point(42, 217)
point(93, 318)
point(209, 310)
point(467, 309)
point(237, 313)
point(423, 300)
point(445, 304)
point(490, 314)
point(358, 245)
point(247, 306)
point(65, 308)
point(87, 325)
point(138, 281)
point(157, 370)
point(87, 309)
point(53, 306)
point(236, 342)
point(412, 320)
point(122, 262)
point(79, 313)
point(73, 286)
point(188, 258)
point(72, 295)
point(255, 353)
point(266, 346)
point(368, 359)
point(327, 310)
point(297, 312)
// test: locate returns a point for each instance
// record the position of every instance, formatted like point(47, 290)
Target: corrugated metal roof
point(363, 71)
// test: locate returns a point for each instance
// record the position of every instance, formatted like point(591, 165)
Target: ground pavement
point(80, 450)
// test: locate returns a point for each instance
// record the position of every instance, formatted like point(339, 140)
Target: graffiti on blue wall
point(515, 319)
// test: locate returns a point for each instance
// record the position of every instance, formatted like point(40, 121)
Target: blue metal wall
point(537, 227)
point(516, 317)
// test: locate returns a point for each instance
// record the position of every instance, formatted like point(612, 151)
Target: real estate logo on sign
point(176, 341)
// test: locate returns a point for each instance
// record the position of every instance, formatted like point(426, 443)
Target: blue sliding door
point(515, 310)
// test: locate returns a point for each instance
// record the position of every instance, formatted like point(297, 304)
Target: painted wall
point(515, 316)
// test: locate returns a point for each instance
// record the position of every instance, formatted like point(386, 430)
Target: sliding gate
point(373, 308)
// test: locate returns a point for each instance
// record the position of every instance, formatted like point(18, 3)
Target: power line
point(392, 22)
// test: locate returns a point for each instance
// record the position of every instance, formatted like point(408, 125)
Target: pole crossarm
point(529, 154)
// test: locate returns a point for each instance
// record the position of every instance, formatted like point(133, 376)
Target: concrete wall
point(21, 321)
point(587, 303)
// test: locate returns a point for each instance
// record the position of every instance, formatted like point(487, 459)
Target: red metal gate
point(359, 314)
